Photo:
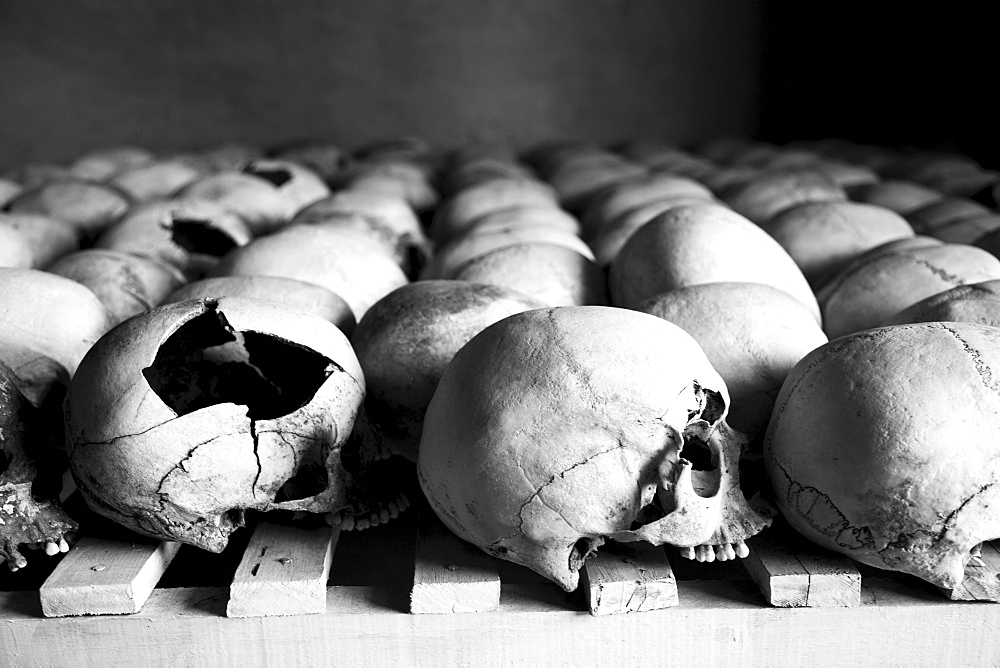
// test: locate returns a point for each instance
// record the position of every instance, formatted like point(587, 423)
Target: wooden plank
point(793, 573)
point(449, 574)
point(284, 571)
point(628, 577)
point(982, 577)
point(100, 576)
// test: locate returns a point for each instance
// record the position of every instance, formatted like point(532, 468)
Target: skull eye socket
point(206, 362)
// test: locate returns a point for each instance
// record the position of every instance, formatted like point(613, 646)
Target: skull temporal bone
point(571, 425)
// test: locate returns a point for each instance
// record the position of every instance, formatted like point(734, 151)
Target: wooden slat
point(449, 574)
point(982, 578)
point(284, 571)
point(792, 573)
point(105, 577)
point(629, 577)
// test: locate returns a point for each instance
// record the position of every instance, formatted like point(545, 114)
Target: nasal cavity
point(207, 362)
point(199, 236)
point(706, 474)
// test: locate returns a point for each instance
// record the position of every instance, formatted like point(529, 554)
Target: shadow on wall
point(183, 73)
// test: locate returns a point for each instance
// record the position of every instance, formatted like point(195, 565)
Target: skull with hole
point(26, 516)
point(184, 417)
point(555, 429)
point(191, 235)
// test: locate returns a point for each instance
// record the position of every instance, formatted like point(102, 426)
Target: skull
point(768, 331)
point(884, 446)
point(555, 429)
point(43, 346)
point(25, 519)
point(702, 243)
point(182, 418)
point(406, 340)
point(126, 284)
point(87, 206)
point(48, 238)
point(160, 178)
point(551, 273)
point(884, 280)
point(384, 217)
point(266, 194)
point(103, 163)
point(190, 235)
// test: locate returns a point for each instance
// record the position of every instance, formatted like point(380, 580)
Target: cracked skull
point(556, 429)
point(884, 446)
point(28, 514)
point(184, 417)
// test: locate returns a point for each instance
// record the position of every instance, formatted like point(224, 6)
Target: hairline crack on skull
point(231, 373)
point(562, 450)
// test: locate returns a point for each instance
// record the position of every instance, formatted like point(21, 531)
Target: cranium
point(883, 446)
point(265, 193)
point(702, 243)
point(190, 235)
point(126, 284)
point(87, 206)
point(406, 340)
point(43, 346)
point(160, 178)
point(15, 250)
point(773, 190)
point(47, 238)
point(184, 417)
point(8, 190)
point(104, 162)
point(556, 429)
point(24, 518)
point(551, 273)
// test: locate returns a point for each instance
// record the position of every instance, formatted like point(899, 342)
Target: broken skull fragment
point(25, 446)
point(556, 429)
point(181, 419)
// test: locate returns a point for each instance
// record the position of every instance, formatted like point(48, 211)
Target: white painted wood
point(450, 575)
point(105, 577)
point(628, 577)
point(715, 623)
point(284, 571)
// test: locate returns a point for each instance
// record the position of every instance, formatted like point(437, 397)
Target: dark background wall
point(182, 73)
point(920, 74)
point(76, 74)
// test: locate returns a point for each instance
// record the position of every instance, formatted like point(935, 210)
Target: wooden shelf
point(715, 622)
point(720, 615)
